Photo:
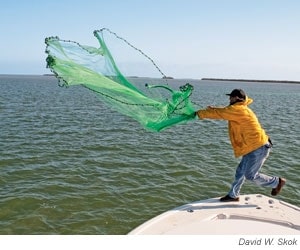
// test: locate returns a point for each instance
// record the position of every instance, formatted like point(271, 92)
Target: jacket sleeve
point(226, 113)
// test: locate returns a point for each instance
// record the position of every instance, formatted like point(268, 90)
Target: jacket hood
point(246, 102)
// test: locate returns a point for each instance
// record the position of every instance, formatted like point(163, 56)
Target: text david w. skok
point(269, 241)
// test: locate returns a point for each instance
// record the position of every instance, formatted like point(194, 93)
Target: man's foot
point(228, 198)
point(277, 190)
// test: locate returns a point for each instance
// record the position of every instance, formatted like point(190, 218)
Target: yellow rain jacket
point(245, 131)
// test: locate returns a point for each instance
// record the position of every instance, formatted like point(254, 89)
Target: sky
point(245, 39)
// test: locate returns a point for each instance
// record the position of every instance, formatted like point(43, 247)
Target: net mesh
point(95, 69)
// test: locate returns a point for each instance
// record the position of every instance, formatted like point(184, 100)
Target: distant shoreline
point(170, 78)
point(249, 80)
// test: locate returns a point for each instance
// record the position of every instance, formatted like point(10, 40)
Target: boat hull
point(253, 214)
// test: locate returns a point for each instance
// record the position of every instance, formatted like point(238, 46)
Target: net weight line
point(135, 48)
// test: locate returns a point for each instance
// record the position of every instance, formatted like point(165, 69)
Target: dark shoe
point(277, 190)
point(228, 198)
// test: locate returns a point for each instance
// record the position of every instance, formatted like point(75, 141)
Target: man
point(248, 140)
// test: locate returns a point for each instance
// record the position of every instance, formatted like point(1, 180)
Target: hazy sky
point(252, 39)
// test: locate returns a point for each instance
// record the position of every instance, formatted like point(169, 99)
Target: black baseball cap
point(238, 92)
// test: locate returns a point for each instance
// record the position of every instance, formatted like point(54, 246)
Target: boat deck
point(254, 214)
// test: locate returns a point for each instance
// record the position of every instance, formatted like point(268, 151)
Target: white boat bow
point(254, 214)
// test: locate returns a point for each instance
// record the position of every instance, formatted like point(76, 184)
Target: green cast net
point(155, 107)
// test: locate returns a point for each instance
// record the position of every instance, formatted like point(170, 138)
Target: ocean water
point(70, 165)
